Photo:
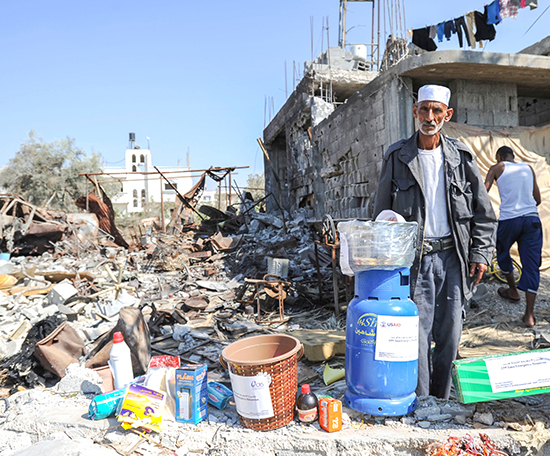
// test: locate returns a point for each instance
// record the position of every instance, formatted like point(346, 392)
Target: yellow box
point(141, 407)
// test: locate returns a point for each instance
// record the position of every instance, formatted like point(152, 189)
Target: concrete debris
point(484, 418)
point(422, 413)
point(188, 295)
point(43, 415)
point(320, 110)
point(61, 292)
point(79, 379)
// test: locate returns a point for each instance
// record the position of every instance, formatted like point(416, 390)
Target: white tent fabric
point(530, 145)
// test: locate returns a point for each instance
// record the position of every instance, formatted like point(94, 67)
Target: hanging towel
point(508, 9)
point(470, 21)
point(493, 13)
point(440, 31)
point(421, 37)
point(461, 22)
point(433, 31)
point(449, 29)
point(484, 31)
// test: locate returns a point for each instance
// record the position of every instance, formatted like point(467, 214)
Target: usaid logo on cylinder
point(384, 324)
point(261, 381)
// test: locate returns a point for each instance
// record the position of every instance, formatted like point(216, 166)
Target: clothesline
point(475, 25)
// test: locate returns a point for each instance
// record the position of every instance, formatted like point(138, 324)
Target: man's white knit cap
point(432, 92)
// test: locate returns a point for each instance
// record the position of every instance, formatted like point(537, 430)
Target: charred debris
point(68, 281)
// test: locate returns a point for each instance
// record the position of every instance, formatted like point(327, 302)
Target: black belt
point(437, 245)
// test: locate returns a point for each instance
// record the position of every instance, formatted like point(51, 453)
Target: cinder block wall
point(352, 141)
point(484, 104)
point(533, 111)
point(280, 137)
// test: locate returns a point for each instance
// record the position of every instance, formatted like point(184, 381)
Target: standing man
point(435, 181)
point(518, 222)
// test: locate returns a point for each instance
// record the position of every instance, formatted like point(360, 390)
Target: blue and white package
point(191, 393)
point(218, 395)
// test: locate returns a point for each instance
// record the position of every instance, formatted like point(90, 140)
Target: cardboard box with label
point(490, 378)
point(330, 414)
point(191, 393)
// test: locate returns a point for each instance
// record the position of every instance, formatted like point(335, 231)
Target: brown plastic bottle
point(307, 405)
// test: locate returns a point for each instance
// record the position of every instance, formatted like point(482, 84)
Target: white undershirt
point(437, 222)
point(515, 186)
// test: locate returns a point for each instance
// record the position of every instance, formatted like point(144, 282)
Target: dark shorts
point(527, 232)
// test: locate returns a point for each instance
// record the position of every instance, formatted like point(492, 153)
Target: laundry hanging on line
point(484, 31)
point(421, 38)
point(476, 26)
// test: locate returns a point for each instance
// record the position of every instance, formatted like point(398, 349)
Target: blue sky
point(190, 75)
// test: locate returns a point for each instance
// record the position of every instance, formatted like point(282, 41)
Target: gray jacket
point(471, 216)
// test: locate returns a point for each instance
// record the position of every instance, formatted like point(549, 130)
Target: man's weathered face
point(431, 116)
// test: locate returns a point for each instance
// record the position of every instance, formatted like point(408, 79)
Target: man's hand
point(477, 270)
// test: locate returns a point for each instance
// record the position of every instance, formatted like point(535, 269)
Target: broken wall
point(484, 104)
point(533, 111)
point(302, 145)
point(282, 137)
point(332, 165)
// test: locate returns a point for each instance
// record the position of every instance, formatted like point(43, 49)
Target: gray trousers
point(438, 296)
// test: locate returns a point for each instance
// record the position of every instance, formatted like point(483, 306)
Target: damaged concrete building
point(327, 142)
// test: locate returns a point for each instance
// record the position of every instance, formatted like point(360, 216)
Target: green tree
point(47, 172)
point(255, 184)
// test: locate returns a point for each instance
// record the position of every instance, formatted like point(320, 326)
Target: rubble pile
point(26, 229)
point(189, 295)
point(189, 284)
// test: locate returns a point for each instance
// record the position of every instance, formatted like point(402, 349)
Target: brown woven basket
point(276, 355)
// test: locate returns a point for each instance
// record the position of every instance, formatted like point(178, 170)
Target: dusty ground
point(494, 325)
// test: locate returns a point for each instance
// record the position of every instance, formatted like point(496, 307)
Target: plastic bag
point(376, 245)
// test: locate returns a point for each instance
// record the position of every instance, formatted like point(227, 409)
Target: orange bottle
point(330, 414)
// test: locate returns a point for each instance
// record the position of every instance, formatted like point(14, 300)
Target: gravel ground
point(496, 309)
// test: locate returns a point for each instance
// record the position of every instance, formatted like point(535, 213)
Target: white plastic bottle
point(120, 361)
point(184, 398)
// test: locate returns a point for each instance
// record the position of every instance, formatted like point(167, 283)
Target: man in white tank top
point(518, 222)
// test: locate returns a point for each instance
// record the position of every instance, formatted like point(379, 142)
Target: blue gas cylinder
point(382, 344)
